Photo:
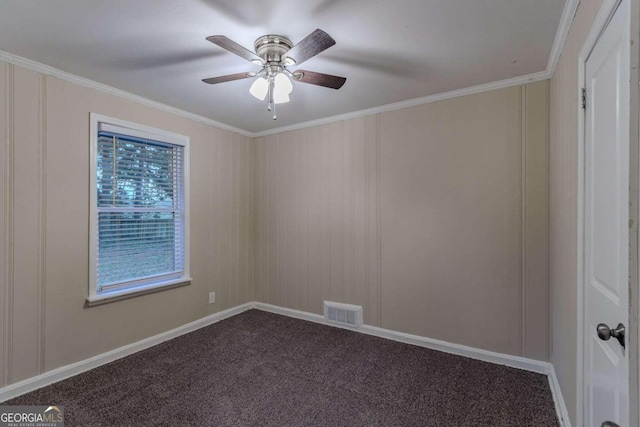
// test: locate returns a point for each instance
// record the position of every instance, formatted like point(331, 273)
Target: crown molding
point(515, 81)
point(529, 78)
point(566, 20)
point(72, 78)
point(568, 13)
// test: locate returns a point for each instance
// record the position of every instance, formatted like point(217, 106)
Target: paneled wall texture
point(433, 218)
point(318, 217)
point(44, 208)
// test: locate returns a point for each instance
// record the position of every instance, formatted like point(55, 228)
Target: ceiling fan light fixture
point(259, 88)
point(280, 98)
point(282, 88)
point(283, 83)
point(274, 53)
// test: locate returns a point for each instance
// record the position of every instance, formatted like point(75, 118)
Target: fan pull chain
point(271, 103)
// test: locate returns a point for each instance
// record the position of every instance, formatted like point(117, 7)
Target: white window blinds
point(140, 208)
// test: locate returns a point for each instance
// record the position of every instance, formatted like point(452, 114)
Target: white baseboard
point(58, 374)
point(461, 350)
point(561, 407)
point(289, 312)
point(523, 363)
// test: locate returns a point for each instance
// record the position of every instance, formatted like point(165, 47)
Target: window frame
point(136, 130)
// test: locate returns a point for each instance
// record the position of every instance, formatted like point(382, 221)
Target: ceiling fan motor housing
point(271, 48)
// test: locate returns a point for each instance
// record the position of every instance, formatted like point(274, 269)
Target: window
point(139, 209)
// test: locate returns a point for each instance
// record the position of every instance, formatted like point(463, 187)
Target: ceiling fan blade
point(233, 47)
point(310, 46)
point(320, 79)
point(228, 78)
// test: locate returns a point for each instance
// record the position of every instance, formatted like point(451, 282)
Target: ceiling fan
point(275, 54)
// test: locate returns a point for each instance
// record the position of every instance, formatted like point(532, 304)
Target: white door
point(606, 224)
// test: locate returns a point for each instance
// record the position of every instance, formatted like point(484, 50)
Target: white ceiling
point(390, 51)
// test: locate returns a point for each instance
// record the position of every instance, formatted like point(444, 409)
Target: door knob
point(605, 332)
point(609, 424)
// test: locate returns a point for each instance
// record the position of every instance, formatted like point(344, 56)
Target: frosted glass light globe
point(259, 88)
point(282, 89)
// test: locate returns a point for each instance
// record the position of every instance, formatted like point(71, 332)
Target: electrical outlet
point(212, 297)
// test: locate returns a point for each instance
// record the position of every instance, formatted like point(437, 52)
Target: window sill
point(119, 295)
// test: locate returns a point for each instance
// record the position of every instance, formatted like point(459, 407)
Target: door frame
point(600, 22)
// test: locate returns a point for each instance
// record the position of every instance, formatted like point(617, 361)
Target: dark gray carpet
point(262, 369)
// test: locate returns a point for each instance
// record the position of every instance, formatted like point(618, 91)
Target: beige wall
point(563, 204)
point(433, 218)
point(44, 208)
point(317, 228)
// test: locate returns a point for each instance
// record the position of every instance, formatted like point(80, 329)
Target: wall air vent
point(343, 314)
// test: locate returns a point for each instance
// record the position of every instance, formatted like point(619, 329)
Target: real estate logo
point(31, 416)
